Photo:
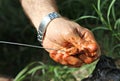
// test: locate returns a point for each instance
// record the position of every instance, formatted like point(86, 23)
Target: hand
point(75, 45)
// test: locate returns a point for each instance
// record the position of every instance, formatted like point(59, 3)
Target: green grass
point(39, 71)
point(109, 21)
point(47, 73)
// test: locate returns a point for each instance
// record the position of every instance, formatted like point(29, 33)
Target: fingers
point(72, 60)
point(84, 42)
point(66, 59)
point(71, 51)
point(70, 57)
point(87, 59)
point(88, 42)
point(91, 49)
point(57, 57)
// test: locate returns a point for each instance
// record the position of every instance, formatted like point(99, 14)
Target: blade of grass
point(103, 4)
point(20, 74)
point(108, 13)
point(23, 71)
point(117, 23)
point(85, 17)
point(117, 29)
point(117, 35)
point(98, 6)
point(26, 71)
point(32, 76)
point(116, 46)
point(56, 72)
point(35, 69)
point(99, 28)
point(113, 13)
point(100, 16)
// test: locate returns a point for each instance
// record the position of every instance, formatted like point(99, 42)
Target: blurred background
point(102, 17)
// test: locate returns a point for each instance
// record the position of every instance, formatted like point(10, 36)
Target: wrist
point(44, 23)
point(38, 19)
point(37, 9)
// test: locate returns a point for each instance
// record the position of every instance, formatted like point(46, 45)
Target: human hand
point(75, 45)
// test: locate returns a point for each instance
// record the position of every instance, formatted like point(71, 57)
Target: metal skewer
point(27, 45)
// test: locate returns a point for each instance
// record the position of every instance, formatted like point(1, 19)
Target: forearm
point(37, 9)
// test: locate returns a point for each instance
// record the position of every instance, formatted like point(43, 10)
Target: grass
point(101, 17)
point(39, 71)
point(109, 25)
point(47, 73)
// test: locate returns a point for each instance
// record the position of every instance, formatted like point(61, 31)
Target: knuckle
point(87, 30)
point(70, 32)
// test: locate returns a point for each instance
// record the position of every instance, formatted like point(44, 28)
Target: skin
point(75, 44)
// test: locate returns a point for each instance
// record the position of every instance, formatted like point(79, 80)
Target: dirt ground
point(4, 78)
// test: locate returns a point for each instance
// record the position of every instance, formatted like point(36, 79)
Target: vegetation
point(27, 63)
